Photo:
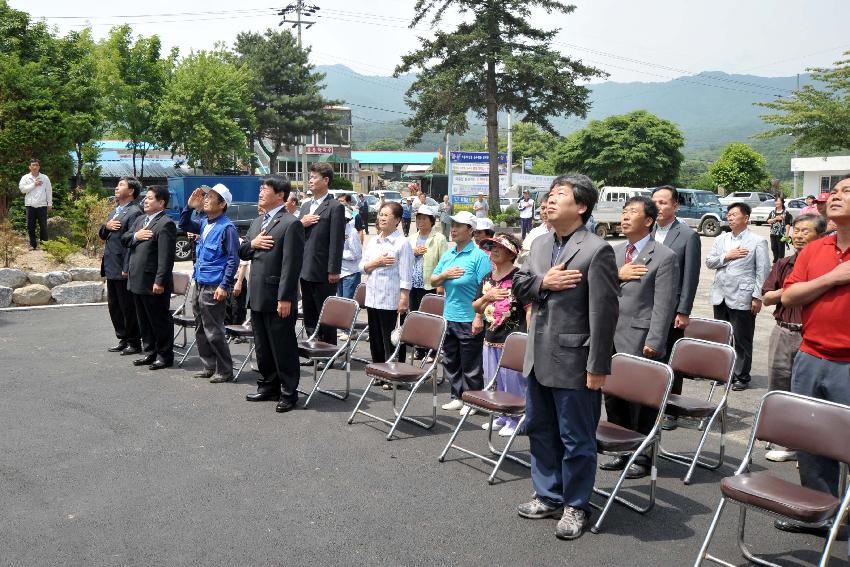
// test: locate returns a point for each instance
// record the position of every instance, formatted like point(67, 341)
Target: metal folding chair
point(640, 381)
point(182, 319)
point(496, 403)
point(791, 420)
point(361, 326)
point(435, 305)
point(241, 331)
point(339, 313)
point(698, 359)
point(713, 330)
point(418, 330)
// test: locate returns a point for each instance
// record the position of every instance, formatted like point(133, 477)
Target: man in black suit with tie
point(324, 221)
point(275, 246)
point(151, 242)
point(122, 309)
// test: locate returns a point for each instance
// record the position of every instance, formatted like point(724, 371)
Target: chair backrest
point(338, 312)
point(696, 358)
point(639, 380)
point(712, 330)
point(433, 304)
point(360, 295)
point(423, 330)
point(808, 424)
point(513, 353)
point(180, 281)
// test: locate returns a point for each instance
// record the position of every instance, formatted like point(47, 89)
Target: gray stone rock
point(50, 279)
point(85, 274)
point(10, 277)
point(5, 296)
point(37, 278)
point(78, 292)
point(34, 294)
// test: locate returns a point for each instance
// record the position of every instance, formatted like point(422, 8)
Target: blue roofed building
point(390, 165)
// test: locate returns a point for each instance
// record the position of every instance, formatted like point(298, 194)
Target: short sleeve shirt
point(460, 292)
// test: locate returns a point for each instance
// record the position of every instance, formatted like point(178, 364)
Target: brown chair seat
point(316, 349)
point(184, 320)
point(396, 371)
point(782, 497)
point(238, 330)
point(614, 438)
point(689, 407)
point(495, 401)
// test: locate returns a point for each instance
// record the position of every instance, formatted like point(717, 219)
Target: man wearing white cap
point(215, 271)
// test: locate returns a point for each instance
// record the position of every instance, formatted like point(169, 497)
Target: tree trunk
point(79, 172)
point(272, 154)
point(4, 206)
point(493, 119)
point(142, 172)
point(134, 158)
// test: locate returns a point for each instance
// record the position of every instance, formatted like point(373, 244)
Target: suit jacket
point(275, 272)
point(571, 331)
point(685, 243)
point(151, 261)
point(325, 241)
point(114, 252)
point(739, 281)
point(647, 305)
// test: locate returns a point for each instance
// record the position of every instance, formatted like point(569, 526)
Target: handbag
point(395, 336)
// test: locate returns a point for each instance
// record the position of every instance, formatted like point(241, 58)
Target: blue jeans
point(348, 285)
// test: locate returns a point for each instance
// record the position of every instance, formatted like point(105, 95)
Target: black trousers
point(155, 325)
point(777, 247)
point(526, 226)
point(277, 353)
point(39, 215)
point(236, 307)
point(626, 414)
point(463, 358)
point(313, 295)
point(382, 322)
point(416, 295)
point(122, 311)
point(673, 335)
point(743, 327)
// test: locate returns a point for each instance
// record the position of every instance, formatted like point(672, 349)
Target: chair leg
point(244, 362)
point(450, 444)
point(400, 414)
point(742, 545)
point(720, 456)
point(613, 496)
point(186, 354)
point(360, 401)
point(492, 478)
point(328, 366)
point(833, 533)
point(703, 551)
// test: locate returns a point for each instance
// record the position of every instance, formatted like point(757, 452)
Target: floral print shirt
point(505, 316)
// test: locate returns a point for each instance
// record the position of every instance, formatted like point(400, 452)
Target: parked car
point(387, 194)
point(241, 214)
point(752, 198)
point(760, 213)
point(508, 202)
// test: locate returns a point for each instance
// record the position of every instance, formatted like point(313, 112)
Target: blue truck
point(244, 188)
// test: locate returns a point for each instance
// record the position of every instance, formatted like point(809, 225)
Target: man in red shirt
point(820, 283)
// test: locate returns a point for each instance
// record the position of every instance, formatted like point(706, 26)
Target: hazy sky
point(649, 40)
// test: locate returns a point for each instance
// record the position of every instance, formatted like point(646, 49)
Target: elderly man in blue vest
point(215, 272)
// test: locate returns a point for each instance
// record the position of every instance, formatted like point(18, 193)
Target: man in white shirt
point(480, 206)
point(526, 213)
point(38, 199)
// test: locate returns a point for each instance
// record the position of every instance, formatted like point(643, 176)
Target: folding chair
point(361, 326)
point(699, 359)
point(433, 304)
point(791, 420)
point(496, 403)
point(641, 381)
point(713, 330)
point(241, 331)
point(182, 319)
point(339, 313)
point(418, 330)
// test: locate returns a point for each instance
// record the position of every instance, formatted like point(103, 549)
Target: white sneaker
point(507, 431)
point(467, 410)
point(496, 426)
point(780, 456)
point(453, 405)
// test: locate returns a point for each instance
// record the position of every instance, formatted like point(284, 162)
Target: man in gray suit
point(685, 243)
point(649, 274)
point(742, 262)
point(570, 280)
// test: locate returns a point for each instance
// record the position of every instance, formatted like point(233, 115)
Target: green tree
point(740, 168)
point(206, 110)
point(693, 173)
point(493, 60)
point(818, 120)
point(438, 164)
point(287, 92)
point(529, 141)
point(385, 144)
point(634, 149)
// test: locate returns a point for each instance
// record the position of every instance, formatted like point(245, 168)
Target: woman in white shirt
point(352, 253)
point(388, 260)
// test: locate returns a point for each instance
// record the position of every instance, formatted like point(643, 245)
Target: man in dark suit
point(151, 261)
point(685, 243)
point(275, 246)
point(323, 219)
point(122, 309)
point(649, 274)
point(570, 280)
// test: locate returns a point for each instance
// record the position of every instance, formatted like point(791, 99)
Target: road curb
point(54, 306)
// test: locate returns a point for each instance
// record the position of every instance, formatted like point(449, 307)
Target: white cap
point(426, 210)
point(224, 192)
point(483, 224)
point(464, 217)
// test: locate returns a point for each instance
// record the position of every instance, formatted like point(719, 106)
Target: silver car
point(760, 213)
point(752, 198)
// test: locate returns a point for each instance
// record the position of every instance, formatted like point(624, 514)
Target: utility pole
point(509, 179)
point(796, 153)
point(301, 10)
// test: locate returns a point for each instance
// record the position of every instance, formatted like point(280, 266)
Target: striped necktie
point(266, 219)
point(630, 250)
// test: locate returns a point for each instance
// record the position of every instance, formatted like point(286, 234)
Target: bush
point(341, 183)
point(92, 210)
point(60, 249)
point(11, 243)
point(510, 216)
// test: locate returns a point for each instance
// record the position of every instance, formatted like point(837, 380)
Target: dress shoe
point(669, 423)
point(118, 348)
point(160, 364)
point(205, 373)
point(219, 379)
point(637, 470)
point(144, 361)
point(796, 528)
point(262, 396)
point(131, 350)
point(284, 406)
point(615, 464)
point(739, 385)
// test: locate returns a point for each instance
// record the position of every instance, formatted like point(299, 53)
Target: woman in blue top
point(460, 271)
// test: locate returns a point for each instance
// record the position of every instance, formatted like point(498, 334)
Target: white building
point(820, 173)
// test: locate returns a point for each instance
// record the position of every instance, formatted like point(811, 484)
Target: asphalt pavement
point(105, 464)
